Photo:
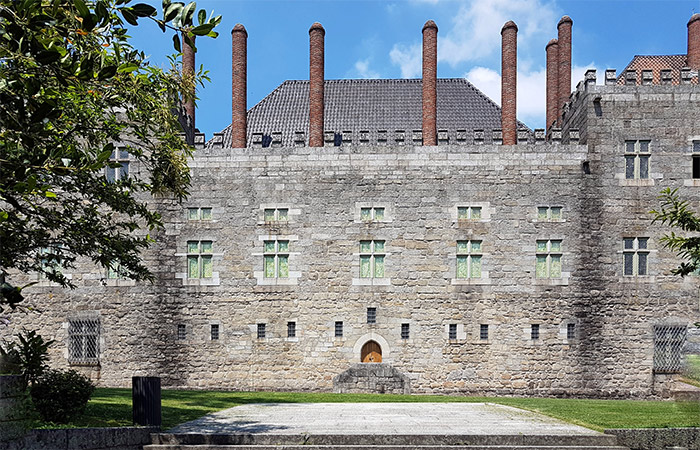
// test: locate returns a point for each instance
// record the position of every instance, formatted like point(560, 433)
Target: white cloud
point(577, 73)
point(363, 71)
point(408, 58)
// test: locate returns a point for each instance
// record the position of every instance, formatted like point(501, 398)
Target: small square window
point(291, 329)
point(199, 213)
point(338, 329)
point(261, 331)
point(549, 213)
point(452, 331)
point(570, 330)
point(371, 213)
point(276, 214)
point(405, 330)
point(371, 315)
point(181, 332)
point(534, 331)
point(214, 332)
point(483, 332)
point(469, 212)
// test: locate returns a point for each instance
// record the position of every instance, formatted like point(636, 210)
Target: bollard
point(145, 398)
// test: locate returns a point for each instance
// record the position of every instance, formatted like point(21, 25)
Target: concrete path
point(380, 418)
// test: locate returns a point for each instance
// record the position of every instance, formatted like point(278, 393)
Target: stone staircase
point(194, 441)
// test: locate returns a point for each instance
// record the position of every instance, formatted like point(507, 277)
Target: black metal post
point(145, 397)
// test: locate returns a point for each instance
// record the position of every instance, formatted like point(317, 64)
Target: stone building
point(416, 223)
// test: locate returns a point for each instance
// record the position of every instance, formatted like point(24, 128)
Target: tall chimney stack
point(509, 79)
point(564, 40)
point(188, 74)
point(239, 99)
point(552, 50)
point(430, 31)
point(694, 42)
point(316, 80)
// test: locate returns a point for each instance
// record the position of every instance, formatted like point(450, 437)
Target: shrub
point(60, 395)
point(27, 356)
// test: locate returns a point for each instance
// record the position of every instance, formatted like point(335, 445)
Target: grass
point(692, 370)
point(112, 407)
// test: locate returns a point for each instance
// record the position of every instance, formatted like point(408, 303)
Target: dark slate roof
point(369, 105)
point(655, 63)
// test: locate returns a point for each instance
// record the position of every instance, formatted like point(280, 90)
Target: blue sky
point(382, 38)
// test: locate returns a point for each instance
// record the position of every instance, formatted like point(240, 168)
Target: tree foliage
point(73, 93)
point(677, 213)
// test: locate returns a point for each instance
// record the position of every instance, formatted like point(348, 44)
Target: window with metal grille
point(635, 256)
point(534, 331)
point(405, 331)
point(484, 332)
point(696, 159)
point(214, 332)
point(84, 341)
point(371, 315)
point(181, 332)
point(261, 331)
point(637, 154)
point(291, 329)
point(668, 348)
point(452, 331)
point(120, 160)
point(570, 330)
point(338, 328)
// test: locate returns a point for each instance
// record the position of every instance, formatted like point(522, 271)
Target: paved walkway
point(379, 418)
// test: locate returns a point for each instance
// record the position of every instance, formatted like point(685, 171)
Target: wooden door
point(371, 352)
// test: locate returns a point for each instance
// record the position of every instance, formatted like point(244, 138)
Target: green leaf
point(47, 56)
point(101, 11)
point(202, 30)
point(143, 10)
point(49, 194)
point(202, 16)
point(82, 9)
point(129, 16)
point(188, 14)
point(4, 216)
point(172, 11)
point(106, 72)
point(127, 67)
point(161, 25)
point(176, 43)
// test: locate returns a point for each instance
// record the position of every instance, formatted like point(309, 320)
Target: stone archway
point(371, 352)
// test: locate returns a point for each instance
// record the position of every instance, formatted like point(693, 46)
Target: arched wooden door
point(371, 352)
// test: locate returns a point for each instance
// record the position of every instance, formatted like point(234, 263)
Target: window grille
point(291, 329)
point(405, 331)
point(535, 331)
point(452, 331)
point(339, 329)
point(570, 330)
point(484, 332)
point(84, 341)
point(214, 332)
point(261, 331)
point(668, 348)
point(181, 332)
point(371, 315)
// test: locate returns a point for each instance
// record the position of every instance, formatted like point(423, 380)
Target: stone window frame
point(331, 327)
point(278, 253)
point(199, 214)
point(291, 329)
point(563, 279)
point(119, 279)
point(219, 333)
point(292, 213)
point(564, 331)
point(86, 316)
point(371, 315)
point(484, 332)
point(259, 266)
point(475, 332)
point(214, 280)
point(636, 152)
point(41, 279)
point(487, 212)
point(460, 333)
point(549, 213)
point(386, 206)
point(358, 280)
point(297, 330)
point(453, 263)
point(635, 250)
point(693, 153)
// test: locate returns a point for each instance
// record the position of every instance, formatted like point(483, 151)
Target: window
point(261, 331)
point(452, 331)
point(214, 331)
point(276, 259)
point(181, 332)
point(50, 261)
point(113, 174)
point(84, 341)
point(534, 331)
point(116, 272)
point(549, 213)
point(199, 214)
point(371, 259)
point(291, 329)
point(635, 256)
point(338, 329)
point(368, 214)
point(405, 331)
point(371, 315)
point(696, 159)
point(548, 259)
point(637, 155)
point(484, 332)
point(276, 214)
point(571, 331)
point(668, 345)
point(469, 212)
point(468, 259)
point(199, 263)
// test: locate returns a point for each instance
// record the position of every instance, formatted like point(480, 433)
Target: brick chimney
point(694, 42)
point(188, 74)
point(316, 39)
point(509, 77)
point(239, 99)
point(430, 31)
point(552, 50)
point(564, 40)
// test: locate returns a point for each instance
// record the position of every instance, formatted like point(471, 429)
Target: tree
point(676, 213)
point(73, 95)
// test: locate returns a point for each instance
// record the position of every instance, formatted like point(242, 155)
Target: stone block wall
point(13, 407)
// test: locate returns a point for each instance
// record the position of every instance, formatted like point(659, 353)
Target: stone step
point(375, 447)
point(387, 440)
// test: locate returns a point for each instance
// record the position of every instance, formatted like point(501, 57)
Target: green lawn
point(112, 407)
point(692, 370)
